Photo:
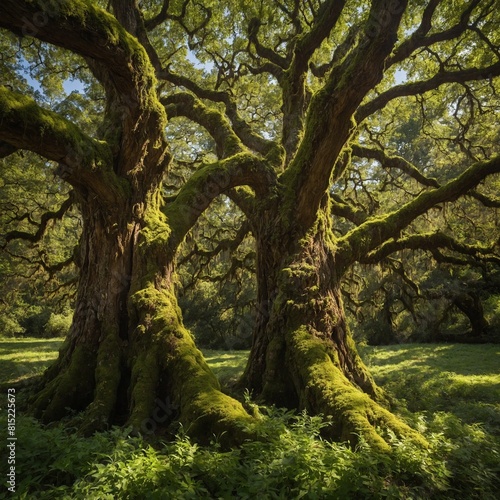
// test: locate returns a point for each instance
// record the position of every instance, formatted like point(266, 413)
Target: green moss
point(88, 15)
point(21, 109)
point(205, 411)
point(71, 389)
point(168, 350)
point(206, 183)
point(160, 305)
point(107, 379)
point(118, 42)
point(145, 376)
point(156, 230)
point(326, 390)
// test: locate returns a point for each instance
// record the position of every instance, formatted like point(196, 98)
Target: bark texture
point(303, 355)
point(128, 359)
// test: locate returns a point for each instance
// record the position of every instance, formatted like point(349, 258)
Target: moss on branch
point(358, 242)
point(167, 347)
point(83, 161)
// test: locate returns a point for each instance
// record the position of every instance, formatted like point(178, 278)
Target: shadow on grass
point(460, 379)
point(462, 359)
point(21, 359)
point(227, 367)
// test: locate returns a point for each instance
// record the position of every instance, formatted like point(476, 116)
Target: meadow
point(450, 393)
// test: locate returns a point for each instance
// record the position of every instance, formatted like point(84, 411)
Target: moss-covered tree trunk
point(303, 355)
point(128, 359)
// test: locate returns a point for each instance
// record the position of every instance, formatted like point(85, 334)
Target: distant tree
point(216, 268)
point(297, 99)
point(37, 278)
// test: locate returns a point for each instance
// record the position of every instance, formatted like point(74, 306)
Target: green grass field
point(458, 378)
point(21, 359)
point(450, 393)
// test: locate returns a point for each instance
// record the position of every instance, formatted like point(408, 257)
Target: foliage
point(58, 324)
point(290, 460)
point(217, 279)
point(37, 279)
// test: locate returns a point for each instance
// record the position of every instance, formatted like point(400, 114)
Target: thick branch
point(356, 244)
point(419, 39)
point(328, 124)
point(326, 19)
point(115, 57)
point(85, 29)
point(244, 132)
point(130, 17)
point(396, 162)
point(210, 181)
point(340, 52)
point(429, 241)
point(277, 62)
point(485, 200)
point(161, 17)
point(293, 81)
point(343, 209)
point(245, 200)
point(185, 104)
point(83, 162)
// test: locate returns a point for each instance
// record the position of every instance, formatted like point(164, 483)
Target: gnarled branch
point(431, 242)
point(83, 162)
point(243, 169)
point(187, 105)
point(420, 87)
point(357, 244)
point(46, 218)
point(397, 162)
point(240, 127)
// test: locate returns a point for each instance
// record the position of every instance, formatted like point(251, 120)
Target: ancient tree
point(292, 98)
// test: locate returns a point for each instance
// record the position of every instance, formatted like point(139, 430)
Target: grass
point(453, 388)
point(457, 378)
point(228, 366)
point(21, 359)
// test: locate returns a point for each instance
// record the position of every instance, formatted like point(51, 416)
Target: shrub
point(57, 325)
point(9, 326)
point(34, 321)
point(290, 461)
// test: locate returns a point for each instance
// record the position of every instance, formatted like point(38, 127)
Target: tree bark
point(128, 359)
point(303, 355)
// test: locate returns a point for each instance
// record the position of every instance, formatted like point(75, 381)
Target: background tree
point(216, 268)
point(295, 97)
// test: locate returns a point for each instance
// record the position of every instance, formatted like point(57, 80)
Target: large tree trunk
point(128, 358)
point(303, 355)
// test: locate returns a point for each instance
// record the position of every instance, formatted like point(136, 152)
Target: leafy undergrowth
point(291, 460)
